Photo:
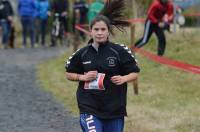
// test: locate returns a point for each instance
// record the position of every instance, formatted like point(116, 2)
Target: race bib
point(97, 83)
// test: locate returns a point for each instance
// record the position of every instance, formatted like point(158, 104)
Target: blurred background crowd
point(43, 23)
point(39, 20)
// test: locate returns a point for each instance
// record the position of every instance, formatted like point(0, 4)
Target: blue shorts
point(90, 123)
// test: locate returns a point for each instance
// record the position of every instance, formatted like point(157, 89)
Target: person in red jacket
point(160, 14)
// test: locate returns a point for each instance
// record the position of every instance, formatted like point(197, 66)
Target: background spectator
point(160, 14)
point(26, 10)
point(43, 8)
point(61, 7)
point(36, 23)
point(6, 18)
point(80, 9)
point(94, 8)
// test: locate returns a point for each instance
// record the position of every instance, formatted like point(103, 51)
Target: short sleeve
point(73, 64)
point(127, 61)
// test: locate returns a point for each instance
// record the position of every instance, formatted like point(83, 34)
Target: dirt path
point(24, 107)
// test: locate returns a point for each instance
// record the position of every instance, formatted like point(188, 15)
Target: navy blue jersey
point(110, 59)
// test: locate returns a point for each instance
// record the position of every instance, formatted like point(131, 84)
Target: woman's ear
point(90, 29)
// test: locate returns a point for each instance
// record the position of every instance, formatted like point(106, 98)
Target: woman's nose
point(99, 32)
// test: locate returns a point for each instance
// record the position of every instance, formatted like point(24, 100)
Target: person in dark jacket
point(160, 14)
point(27, 9)
point(61, 7)
point(6, 17)
point(103, 69)
point(80, 9)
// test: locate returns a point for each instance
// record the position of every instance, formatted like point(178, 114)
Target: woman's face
point(100, 32)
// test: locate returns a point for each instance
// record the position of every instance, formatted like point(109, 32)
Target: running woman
point(103, 69)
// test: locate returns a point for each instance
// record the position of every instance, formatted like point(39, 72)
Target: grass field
point(168, 99)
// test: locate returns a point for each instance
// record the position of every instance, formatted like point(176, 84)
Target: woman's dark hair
point(101, 18)
point(112, 14)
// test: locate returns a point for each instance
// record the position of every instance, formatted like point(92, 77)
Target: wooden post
point(175, 18)
point(135, 87)
point(76, 41)
point(132, 34)
point(135, 82)
point(132, 39)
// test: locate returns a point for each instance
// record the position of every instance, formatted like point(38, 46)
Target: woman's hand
point(161, 24)
point(89, 76)
point(118, 80)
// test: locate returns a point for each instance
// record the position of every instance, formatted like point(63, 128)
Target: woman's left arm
point(118, 80)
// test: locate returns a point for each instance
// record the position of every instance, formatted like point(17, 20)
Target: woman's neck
point(95, 45)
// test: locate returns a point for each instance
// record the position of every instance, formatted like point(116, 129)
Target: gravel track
point(24, 107)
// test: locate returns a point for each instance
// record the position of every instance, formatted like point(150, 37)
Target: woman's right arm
point(72, 76)
point(89, 76)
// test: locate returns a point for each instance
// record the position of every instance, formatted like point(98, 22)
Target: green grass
point(51, 76)
point(168, 98)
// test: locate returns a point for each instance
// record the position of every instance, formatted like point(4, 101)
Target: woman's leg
point(32, 31)
point(148, 30)
point(24, 22)
point(90, 123)
point(114, 125)
point(43, 24)
point(5, 36)
point(161, 41)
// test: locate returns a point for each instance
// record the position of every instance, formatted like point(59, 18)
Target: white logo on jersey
point(89, 122)
point(86, 62)
point(111, 61)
